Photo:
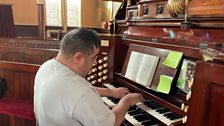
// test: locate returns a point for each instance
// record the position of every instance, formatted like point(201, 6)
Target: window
point(73, 13)
point(56, 11)
point(53, 13)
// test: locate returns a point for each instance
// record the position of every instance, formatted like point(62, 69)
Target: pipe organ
point(162, 28)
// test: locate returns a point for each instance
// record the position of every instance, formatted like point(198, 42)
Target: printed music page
point(147, 70)
point(133, 65)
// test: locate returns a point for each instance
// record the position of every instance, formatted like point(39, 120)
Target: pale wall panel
point(89, 13)
point(24, 11)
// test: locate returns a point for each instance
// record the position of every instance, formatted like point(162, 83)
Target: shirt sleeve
point(91, 111)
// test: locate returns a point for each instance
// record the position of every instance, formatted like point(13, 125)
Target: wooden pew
point(19, 76)
point(16, 107)
point(27, 55)
point(30, 43)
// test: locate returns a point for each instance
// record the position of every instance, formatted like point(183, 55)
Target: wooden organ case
point(156, 27)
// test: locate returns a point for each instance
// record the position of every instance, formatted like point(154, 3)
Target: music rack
point(160, 70)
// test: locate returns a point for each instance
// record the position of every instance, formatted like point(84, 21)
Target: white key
point(159, 116)
point(152, 112)
point(133, 121)
point(110, 86)
point(108, 102)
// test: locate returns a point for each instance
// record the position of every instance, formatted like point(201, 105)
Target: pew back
point(30, 43)
point(19, 79)
point(27, 55)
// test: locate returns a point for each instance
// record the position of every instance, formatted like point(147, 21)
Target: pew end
point(16, 106)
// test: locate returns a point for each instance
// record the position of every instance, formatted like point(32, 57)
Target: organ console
point(156, 27)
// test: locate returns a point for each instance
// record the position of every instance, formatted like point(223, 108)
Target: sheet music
point(147, 69)
point(133, 65)
point(141, 68)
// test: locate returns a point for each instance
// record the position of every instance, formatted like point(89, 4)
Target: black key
point(132, 108)
point(163, 110)
point(175, 117)
point(142, 118)
point(156, 107)
point(135, 112)
point(170, 114)
point(150, 103)
point(151, 122)
point(114, 100)
point(153, 105)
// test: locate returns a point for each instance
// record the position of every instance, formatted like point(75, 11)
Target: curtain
point(6, 21)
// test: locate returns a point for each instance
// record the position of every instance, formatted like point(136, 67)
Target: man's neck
point(68, 63)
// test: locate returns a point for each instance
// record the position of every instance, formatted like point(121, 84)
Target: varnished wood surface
point(27, 55)
point(19, 78)
point(194, 36)
point(30, 43)
point(206, 103)
point(206, 8)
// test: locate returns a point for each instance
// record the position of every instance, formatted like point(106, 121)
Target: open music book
point(141, 68)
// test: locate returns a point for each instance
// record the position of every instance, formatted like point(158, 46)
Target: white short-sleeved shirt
point(64, 98)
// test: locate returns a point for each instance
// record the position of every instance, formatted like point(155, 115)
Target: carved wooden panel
point(153, 9)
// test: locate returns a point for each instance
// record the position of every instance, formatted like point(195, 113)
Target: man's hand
point(133, 98)
point(115, 93)
point(119, 92)
point(123, 105)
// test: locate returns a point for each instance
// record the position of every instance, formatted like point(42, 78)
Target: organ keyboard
point(149, 113)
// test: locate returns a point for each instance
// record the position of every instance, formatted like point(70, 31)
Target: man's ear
point(78, 58)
